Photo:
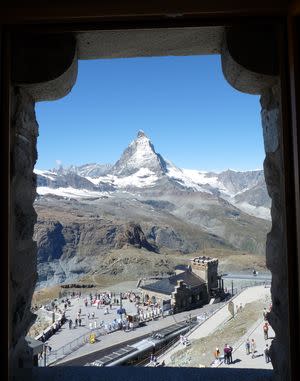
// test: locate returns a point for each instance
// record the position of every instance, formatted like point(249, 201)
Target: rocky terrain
point(89, 216)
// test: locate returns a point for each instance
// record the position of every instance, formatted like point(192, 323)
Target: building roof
point(167, 285)
point(204, 259)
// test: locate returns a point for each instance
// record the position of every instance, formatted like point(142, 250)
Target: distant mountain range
point(141, 169)
point(146, 201)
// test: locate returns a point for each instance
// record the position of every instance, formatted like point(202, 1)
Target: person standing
point(226, 354)
point(151, 357)
point(253, 347)
point(181, 339)
point(230, 354)
point(247, 346)
point(266, 329)
point(267, 354)
point(155, 360)
point(217, 353)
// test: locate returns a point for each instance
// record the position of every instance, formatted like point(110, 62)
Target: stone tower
point(207, 269)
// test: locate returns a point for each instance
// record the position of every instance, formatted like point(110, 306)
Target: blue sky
point(192, 115)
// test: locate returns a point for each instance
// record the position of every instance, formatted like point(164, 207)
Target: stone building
point(191, 288)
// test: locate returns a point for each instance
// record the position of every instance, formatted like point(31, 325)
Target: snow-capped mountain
point(141, 169)
point(88, 212)
point(140, 155)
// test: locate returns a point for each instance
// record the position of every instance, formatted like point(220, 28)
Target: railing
point(238, 290)
point(77, 343)
point(65, 350)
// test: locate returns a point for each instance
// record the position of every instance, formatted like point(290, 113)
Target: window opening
point(143, 239)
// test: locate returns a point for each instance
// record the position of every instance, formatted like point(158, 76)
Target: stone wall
point(23, 272)
point(183, 298)
point(33, 79)
point(276, 240)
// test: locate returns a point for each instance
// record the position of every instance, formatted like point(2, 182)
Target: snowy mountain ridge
point(140, 168)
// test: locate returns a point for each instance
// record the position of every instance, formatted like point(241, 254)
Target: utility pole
point(232, 288)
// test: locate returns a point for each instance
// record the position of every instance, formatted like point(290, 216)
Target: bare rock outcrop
point(132, 234)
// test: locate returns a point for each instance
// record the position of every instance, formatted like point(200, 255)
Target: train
point(135, 353)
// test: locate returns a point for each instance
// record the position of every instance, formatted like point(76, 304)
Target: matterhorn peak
point(140, 154)
point(141, 134)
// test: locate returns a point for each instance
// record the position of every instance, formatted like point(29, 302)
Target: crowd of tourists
point(144, 312)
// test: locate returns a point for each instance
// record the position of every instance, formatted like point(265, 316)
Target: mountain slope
point(146, 202)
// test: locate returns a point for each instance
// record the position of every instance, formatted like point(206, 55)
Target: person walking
point(247, 346)
point(266, 329)
point(70, 324)
point(267, 354)
point(253, 347)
